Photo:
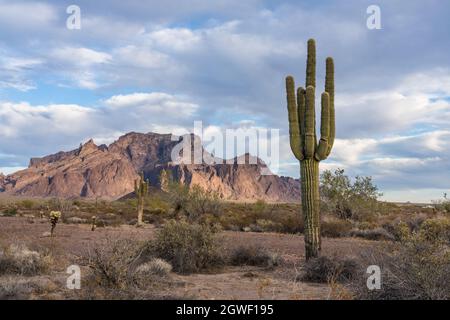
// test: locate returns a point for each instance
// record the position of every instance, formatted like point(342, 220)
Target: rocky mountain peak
point(87, 148)
point(109, 171)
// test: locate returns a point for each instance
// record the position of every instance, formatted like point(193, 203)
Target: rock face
point(2, 182)
point(109, 172)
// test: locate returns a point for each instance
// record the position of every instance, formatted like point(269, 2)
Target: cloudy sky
point(146, 66)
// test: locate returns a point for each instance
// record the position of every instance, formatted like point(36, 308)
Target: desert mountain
point(109, 172)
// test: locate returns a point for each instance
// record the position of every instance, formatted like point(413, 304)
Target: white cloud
point(81, 66)
point(26, 15)
point(82, 57)
point(14, 72)
point(133, 56)
point(35, 130)
point(178, 39)
point(153, 103)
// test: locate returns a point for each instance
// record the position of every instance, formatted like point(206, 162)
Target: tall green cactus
point(302, 132)
point(141, 190)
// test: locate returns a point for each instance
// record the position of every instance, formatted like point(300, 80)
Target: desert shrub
point(260, 206)
point(324, 269)
point(10, 212)
point(268, 225)
point(112, 264)
point(435, 230)
point(157, 205)
point(27, 204)
point(335, 228)
point(254, 256)
point(366, 225)
point(155, 266)
point(347, 200)
point(372, 234)
point(415, 269)
point(398, 229)
point(18, 259)
point(443, 204)
point(193, 202)
point(187, 247)
point(292, 223)
point(415, 223)
point(62, 205)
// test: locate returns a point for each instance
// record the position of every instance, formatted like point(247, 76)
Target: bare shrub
point(415, 269)
point(112, 263)
point(254, 256)
point(325, 270)
point(17, 259)
point(14, 289)
point(188, 247)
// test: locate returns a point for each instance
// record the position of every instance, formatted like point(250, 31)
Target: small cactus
point(54, 218)
point(141, 190)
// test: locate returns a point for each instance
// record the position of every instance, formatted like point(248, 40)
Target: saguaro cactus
point(141, 189)
point(304, 144)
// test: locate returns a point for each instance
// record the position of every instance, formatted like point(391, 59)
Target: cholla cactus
point(304, 143)
point(164, 180)
point(93, 223)
point(141, 190)
point(54, 218)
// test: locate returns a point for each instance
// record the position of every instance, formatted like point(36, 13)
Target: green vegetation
point(188, 247)
point(347, 200)
point(305, 145)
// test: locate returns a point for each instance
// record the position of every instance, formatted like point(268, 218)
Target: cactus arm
point(322, 149)
point(329, 87)
point(311, 64)
point(301, 104)
point(294, 128)
point(310, 123)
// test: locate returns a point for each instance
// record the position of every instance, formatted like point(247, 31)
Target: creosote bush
point(188, 247)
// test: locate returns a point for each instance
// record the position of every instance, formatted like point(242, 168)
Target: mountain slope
point(109, 172)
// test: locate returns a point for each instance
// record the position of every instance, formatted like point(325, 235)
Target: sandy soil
point(228, 283)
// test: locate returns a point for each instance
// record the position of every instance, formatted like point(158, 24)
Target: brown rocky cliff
point(88, 171)
point(109, 172)
point(2, 182)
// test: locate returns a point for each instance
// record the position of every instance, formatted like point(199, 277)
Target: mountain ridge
point(103, 171)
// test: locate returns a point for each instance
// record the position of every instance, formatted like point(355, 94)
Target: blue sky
point(151, 66)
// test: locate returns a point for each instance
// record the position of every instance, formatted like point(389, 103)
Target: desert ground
point(258, 251)
point(248, 282)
